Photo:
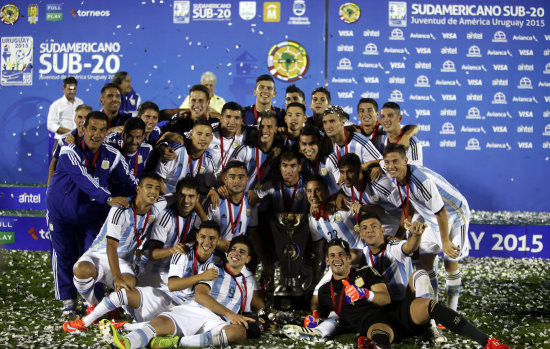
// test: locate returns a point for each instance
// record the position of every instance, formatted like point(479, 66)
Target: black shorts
point(399, 315)
point(371, 318)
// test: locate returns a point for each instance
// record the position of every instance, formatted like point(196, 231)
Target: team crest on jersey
point(359, 282)
point(414, 196)
point(202, 170)
point(376, 198)
point(105, 164)
point(248, 212)
point(236, 144)
point(140, 159)
point(151, 218)
point(300, 196)
point(338, 217)
point(324, 171)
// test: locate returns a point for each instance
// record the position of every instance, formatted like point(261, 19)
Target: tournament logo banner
point(287, 61)
point(17, 64)
point(350, 12)
point(9, 14)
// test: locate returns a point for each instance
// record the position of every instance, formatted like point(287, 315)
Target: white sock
point(452, 287)
point(327, 327)
point(86, 289)
point(142, 336)
point(422, 285)
point(111, 302)
point(216, 339)
point(433, 281)
point(130, 326)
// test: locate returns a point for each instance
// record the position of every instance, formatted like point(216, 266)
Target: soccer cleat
point(89, 309)
point(74, 325)
point(164, 342)
point(434, 336)
point(107, 329)
point(298, 332)
point(116, 325)
point(494, 343)
point(365, 342)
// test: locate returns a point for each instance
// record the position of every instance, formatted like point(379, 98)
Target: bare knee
point(419, 311)
point(130, 279)
point(134, 298)
point(426, 261)
point(450, 266)
point(235, 333)
point(84, 270)
point(163, 325)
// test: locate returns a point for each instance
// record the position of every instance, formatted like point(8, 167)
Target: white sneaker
point(434, 336)
point(299, 332)
point(69, 307)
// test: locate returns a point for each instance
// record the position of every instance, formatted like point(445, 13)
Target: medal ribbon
point(398, 138)
point(195, 261)
point(222, 150)
point(405, 211)
point(190, 160)
point(261, 170)
point(136, 230)
point(288, 206)
point(379, 261)
point(230, 209)
point(243, 295)
point(337, 309)
point(96, 156)
point(322, 213)
point(185, 228)
point(346, 147)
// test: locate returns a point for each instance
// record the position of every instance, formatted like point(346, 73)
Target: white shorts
point(147, 277)
point(458, 234)
point(101, 263)
point(192, 318)
point(154, 301)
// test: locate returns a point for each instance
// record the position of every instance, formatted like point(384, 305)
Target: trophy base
point(289, 298)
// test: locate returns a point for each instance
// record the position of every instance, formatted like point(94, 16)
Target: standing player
point(229, 135)
point(264, 93)
point(295, 118)
point(194, 160)
point(320, 100)
point(110, 103)
point(213, 318)
point(444, 209)
point(294, 95)
point(149, 113)
point(130, 99)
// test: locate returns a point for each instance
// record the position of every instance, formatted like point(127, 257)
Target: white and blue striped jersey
point(382, 192)
point(251, 156)
point(183, 166)
point(225, 291)
point(326, 168)
point(394, 265)
point(222, 156)
point(340, 224)
point(248, 217)
point(165, 230)
point(359, 145)
point(121, 227)
point(281, 198)
point(414, 151)
point(186, 265)
point(429, 192)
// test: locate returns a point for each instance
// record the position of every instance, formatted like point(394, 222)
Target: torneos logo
point(92, 13)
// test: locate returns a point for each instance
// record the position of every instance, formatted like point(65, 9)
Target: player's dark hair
point(297, 105)
point(199, 122)
point(293, 89)
point(322, 90)
point(146, 106)
point(108, 86)
point(235, 164)
point(134, 124)
point(69, 80)
point(232, 106)
point(150, 175)
point(265, 77)
point(241, 239)
point(338, 242)
point(395, 148)
point(367, 215)
point(119, 77)
point(350, 159)
point(311, 130)
point(210, 225)
point(98, 115)
point(368, 100)
point(289, 154)
point(266, 114)
point(83, 106)
point(318, 178)
point(392, 105)
point(199, 87)
point(189, 183)
point(336, 109)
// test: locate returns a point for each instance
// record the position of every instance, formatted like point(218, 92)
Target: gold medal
point(407, 225)
point(258, 186)
point(356, 227)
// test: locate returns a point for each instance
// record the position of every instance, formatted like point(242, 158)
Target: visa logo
point(500, 129)
point(371, 80)
point(525, 145)
point(448, 35)
point(345, 32)
point(500, 67)
point(397, 65)
point(448, 97)
point(475, 82)
point(348, 94)
point(422, 112)
point(525, 52)
point(525, 113)
point(423, 50)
